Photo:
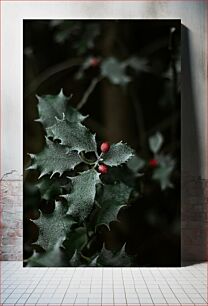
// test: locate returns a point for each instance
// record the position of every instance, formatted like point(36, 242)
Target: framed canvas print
point(102, 142)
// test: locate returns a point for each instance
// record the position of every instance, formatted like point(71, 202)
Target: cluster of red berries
point(153, 163)
point(105, 147)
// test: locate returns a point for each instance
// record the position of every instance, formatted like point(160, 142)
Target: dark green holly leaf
point(122, 174)
point(93, 262)
point(53, 226)
point(54, 159)
point(136, 63)
point(75, 261)
point(91, 31)
point(53, 258)
point(118, 154)
point(114, 71)
point(80, 35)
point(74, 135)
point(82, 197)
point(135, 164)
point(63, 30)
point(49, 188)
point(72, 115)
point(113, 198)
point(114, 259)
point(50, 106)
point(155, 142)
point(76, 240)
point(80, 260)
point(164, 170)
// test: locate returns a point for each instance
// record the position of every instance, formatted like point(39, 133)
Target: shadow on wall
point(193, 210)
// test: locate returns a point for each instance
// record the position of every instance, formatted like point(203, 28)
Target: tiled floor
point(103, 286)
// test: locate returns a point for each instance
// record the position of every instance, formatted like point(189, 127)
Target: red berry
point(103, 169)
point(153, 163)
point(94, 62)
point(105, 147)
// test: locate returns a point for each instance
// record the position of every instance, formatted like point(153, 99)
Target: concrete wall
point(194, 107)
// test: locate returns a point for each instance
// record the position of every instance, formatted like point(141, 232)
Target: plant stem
point(45, 75)
point(138, 118)
point(99, 157)
point(174, 91)
point(88, 92)
point(88, 236)
point(86, 160)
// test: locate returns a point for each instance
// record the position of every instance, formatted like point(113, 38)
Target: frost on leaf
point(163, 172)
point(118, 154)
point(54, 159)
point(75, 261)
point(114, 71)
point(75, 240)
point(113, 198)
point(114, 259)
point(53, 226)
point(53, 258)
point(51, 106)
point(73, 135)
point(155, 142)
point(137, 63)
point(135, 164)
point(81, 199)
point(93, 262)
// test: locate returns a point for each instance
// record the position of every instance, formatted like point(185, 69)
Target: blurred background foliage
point(126, 75)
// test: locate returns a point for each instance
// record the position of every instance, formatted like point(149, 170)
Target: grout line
point(69, 285)
point(169, 285)
point(147, 287)
point(135, 286)
point(124, 276)
point(113, 288)
point(123, 284)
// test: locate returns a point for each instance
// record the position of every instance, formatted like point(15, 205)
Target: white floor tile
point(119, 301)
point(94, 301)
point(196, 299)
point(32, 300)
point(148, 302)
point(132, 300)
point(81, 301)
point(10, 301)
point(69, 300)
point(133, 295)
point(106, 298)
point(126, 286)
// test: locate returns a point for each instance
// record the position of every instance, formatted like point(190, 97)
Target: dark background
point(53, 54)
